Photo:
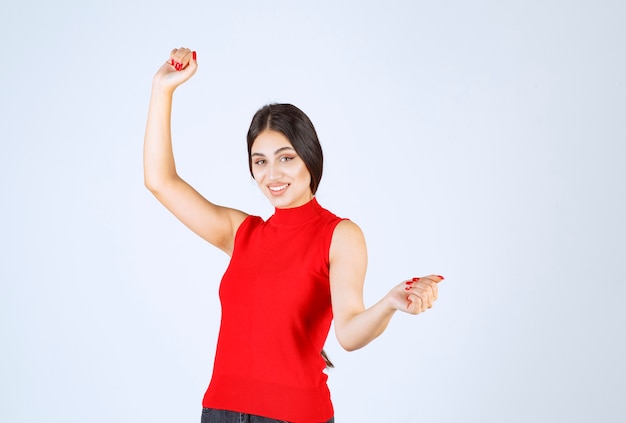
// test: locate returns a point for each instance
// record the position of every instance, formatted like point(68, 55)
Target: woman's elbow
point(350, 348)
point(151, 185)
point(348, 343)
point(156, 183)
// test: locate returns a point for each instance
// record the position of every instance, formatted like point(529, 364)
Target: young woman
point(288, 276)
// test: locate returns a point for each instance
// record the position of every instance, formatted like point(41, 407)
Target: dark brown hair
point(294, 124)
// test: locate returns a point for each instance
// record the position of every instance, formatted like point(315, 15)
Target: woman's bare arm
point(215, 224)
point(355, 325)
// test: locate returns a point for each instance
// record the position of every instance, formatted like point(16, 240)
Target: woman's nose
point(274, 171)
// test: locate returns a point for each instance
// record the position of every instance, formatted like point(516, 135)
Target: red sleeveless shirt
point(276, 314)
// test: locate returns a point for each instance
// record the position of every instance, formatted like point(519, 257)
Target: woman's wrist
point(389, 305)
point(159, 88)
point(392, 301)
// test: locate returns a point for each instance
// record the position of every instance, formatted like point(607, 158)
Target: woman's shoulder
point(251, 220)
point(347, 241)
point(347, 228)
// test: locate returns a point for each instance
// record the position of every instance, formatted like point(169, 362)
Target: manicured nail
point(408, 288)
point(442, 278)
point(193, 54)
point(415, 279)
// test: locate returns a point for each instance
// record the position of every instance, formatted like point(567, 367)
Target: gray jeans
point(210, 415)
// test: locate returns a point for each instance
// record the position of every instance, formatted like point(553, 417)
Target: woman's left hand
point(415, 295)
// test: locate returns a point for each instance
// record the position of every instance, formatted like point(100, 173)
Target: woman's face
point(279, 171)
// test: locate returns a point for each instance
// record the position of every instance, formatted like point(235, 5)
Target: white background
point(484, 141)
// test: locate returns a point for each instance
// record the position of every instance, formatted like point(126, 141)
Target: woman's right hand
point(181, 66)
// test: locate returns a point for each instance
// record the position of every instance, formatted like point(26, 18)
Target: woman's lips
point(277, 189)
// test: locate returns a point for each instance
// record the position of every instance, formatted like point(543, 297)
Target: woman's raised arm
point(213, 223)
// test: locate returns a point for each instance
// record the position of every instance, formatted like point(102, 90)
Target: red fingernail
point(408, 288)
point(178, 66)
point(193, 54)
point(416, 279)
point(442, 278)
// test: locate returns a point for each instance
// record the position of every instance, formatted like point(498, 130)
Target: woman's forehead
point(271, 142)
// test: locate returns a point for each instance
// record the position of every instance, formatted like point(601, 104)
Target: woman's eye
point(285, 159)
point(259, 162)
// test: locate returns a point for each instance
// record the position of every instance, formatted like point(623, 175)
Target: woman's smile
point(279, 189)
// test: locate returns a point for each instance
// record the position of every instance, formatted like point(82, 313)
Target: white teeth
point(278, 188)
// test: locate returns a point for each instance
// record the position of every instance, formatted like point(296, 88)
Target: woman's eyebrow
point(283, 149)
point(275, 152)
